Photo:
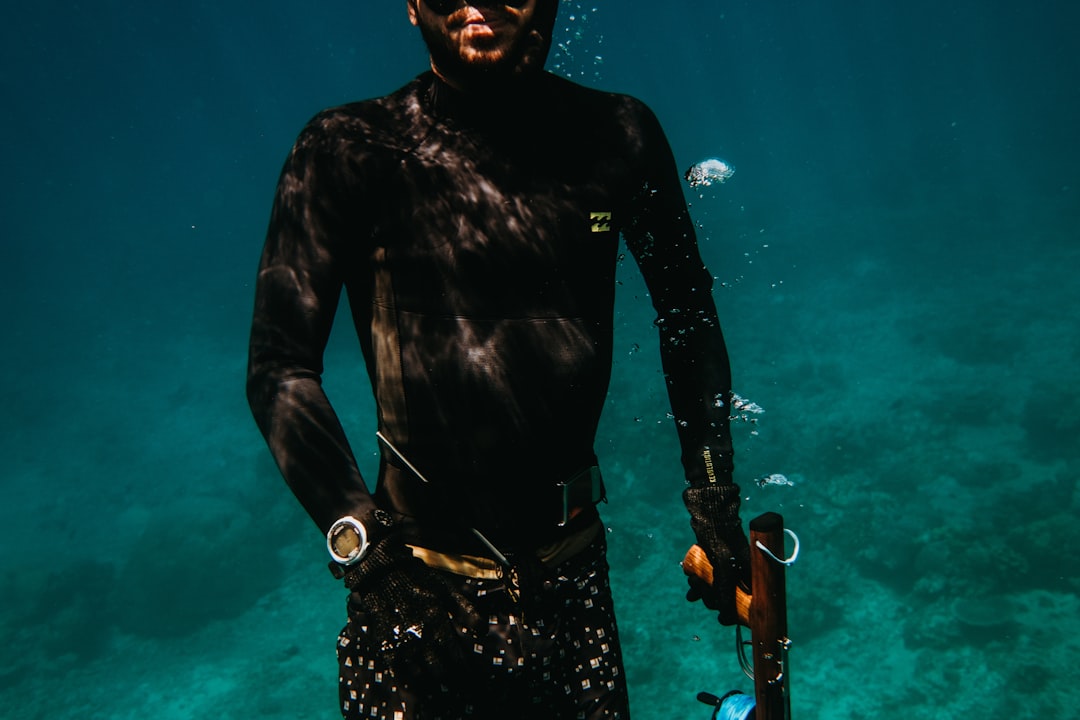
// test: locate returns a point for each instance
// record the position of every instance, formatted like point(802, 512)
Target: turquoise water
point(896, 258)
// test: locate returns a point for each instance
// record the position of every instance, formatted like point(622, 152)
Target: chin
point(483, 58)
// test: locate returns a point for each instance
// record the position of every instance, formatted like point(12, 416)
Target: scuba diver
point(473, 220)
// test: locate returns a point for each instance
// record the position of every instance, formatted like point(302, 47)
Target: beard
point(481, 61)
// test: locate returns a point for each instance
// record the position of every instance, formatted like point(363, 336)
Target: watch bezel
point(356, 555)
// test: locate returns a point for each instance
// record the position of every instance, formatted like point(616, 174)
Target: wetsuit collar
point(513, 100)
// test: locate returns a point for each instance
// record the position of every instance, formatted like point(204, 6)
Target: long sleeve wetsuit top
point(477, 241)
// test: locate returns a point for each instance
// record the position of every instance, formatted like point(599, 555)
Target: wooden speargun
point(765, 613)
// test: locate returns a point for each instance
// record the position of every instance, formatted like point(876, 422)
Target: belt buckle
point(584, 488)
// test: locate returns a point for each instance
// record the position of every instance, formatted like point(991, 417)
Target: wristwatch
point(347, 541)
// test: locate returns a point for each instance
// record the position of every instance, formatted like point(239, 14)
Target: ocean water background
point(896, 262)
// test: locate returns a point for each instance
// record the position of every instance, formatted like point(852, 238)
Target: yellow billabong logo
point(601, 221)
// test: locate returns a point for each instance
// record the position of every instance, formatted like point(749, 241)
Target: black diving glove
point(714, 517)
point(408, 608)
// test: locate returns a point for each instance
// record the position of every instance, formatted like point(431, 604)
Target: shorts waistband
point(483, 568)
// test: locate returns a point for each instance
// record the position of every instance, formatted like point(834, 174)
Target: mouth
point(477, 26)
point(477, 31)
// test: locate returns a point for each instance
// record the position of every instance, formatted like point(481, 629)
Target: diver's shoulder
point(626, 108)
point(382, 119)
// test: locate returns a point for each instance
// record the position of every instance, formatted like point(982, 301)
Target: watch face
point(346, 541)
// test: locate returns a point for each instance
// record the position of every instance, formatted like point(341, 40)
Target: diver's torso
point(484, 295)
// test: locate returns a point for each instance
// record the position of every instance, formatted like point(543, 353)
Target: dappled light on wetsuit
point(482, 295)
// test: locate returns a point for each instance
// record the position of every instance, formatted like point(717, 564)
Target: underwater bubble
point(742, 405)
point(774, 479)
point(707, 172)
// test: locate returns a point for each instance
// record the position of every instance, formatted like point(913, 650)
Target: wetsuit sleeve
point(693, 353)
point(296, 295)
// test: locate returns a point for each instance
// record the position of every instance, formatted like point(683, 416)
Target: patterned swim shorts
point(550, 652)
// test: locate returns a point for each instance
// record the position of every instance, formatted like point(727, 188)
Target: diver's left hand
point(714, 517)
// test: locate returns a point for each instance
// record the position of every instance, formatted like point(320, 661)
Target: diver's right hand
point(408, 607)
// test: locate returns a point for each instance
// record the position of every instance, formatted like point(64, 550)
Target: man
point(473, 219)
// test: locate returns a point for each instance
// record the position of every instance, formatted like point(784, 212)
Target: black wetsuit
point(477, 241)
point(477, 244)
